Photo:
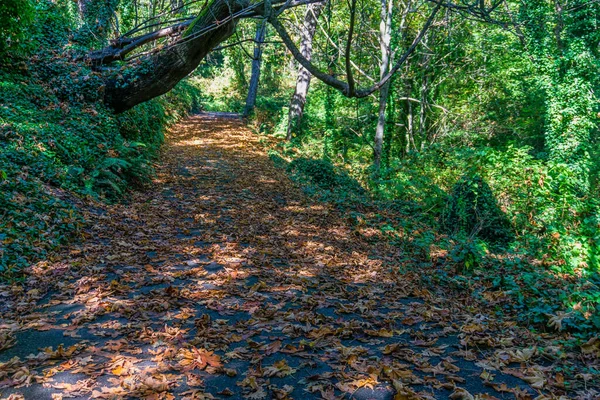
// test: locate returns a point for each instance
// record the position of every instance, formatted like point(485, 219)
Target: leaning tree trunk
point(303, 81)
point(256, 62)
point(158, 73)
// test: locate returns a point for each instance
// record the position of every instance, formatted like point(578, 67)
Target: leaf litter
point(208, 285)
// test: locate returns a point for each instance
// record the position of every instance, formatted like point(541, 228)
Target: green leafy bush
point(322, 174)
point(467, 253)
point(472, 210)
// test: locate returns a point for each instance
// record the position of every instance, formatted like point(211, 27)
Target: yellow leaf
point(119, 370)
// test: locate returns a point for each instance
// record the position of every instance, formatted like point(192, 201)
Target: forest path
point(223, 279)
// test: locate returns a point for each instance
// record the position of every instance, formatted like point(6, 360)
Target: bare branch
point(341, 85)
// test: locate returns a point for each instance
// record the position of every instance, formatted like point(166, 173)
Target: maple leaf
point(353, 385)
point(380, 333)
point(391, 348)
point(7, 339)
point(556, 321)
point(282, 393)
point(226, 392)
point(155, 384)
point(198, 359)
point(258, 394)
point(522, 355)
point(280, 369)
point(487, 376)
point(119, 370)
point(272, 347)
point(535, 378)
point(196, 394)
point(328, 393)
point(404, 392)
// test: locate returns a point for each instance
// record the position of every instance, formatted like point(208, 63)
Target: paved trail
point(223, 280)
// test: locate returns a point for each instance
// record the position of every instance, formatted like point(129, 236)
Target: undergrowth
point(59, 144)
point(466, 225)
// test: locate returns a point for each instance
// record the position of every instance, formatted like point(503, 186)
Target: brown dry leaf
point(380, 333)
point(226, 392)
point(258, 394)
point(355, 384)
point(391, 348)
point(404, 392)
point(591, 347)
point(119, 370)
point(523, 355)
point(461, 394)
point(196, 394)
point(487, 376)
point(273, 347)
point(280, 369)
point(535, 378)
point(556, 321)
point(7, 339)
point(300, 272)
point(194, 358)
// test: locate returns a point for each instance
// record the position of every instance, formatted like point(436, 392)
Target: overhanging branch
point(346, 88)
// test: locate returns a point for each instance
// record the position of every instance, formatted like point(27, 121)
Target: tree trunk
point(380, 130)
point(256, 62)
point(410, 118)
point(176, 6)
point(303, 81)
point(425, 66)
point(384, 43)
point(160, 72)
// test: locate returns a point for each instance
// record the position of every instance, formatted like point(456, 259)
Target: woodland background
point(485, 141)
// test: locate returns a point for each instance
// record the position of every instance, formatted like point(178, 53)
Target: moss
point(190, 29)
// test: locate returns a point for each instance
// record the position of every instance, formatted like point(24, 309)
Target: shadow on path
point(223, 280)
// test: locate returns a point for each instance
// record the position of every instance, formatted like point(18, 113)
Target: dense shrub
point(322, 174)
point(472, 210)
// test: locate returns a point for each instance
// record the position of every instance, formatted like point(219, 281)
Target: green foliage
point(96, 25)
point(15, 17)
point(59, 142)
point(322, 174)
point(467, 254)
point(472, 210)
point(318, 172)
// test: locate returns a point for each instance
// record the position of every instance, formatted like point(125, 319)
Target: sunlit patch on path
point(222, 280)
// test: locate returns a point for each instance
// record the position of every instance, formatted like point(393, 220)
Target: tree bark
point(385, 29)
point(298, 100)
point(256, 63)
point(424, 67)
point(176, 5)
point(160, 72)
